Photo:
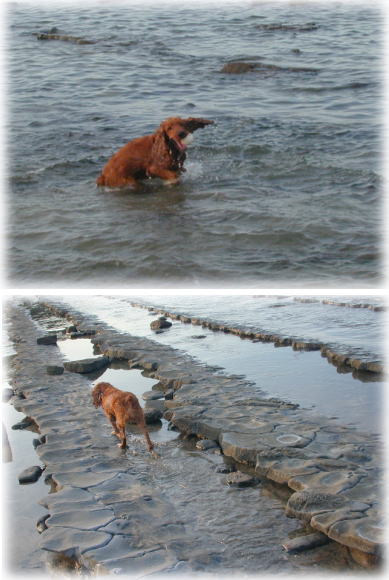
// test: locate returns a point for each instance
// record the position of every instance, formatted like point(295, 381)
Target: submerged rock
point(240, 67)
point(64, 37)
point(54, 370)
point(306, 542)
point(240, 479)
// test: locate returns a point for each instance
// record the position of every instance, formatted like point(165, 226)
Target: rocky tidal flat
point(103, 516)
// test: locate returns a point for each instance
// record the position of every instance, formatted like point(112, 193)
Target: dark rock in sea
point(7, 394)
point(198, 336)
point(87, 365)
point(266, 69)
point(30, 475)
point(24, 424)
point(236, 68)
point(54, 370)
point(63, 37)
point(48, 339)
point(160, 323)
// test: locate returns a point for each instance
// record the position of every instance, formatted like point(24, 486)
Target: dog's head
point(98, 393)
point(179, 131)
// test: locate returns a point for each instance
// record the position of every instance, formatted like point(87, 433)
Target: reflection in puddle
point(77, 348)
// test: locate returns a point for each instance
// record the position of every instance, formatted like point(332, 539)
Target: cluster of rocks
point(341, 361)
point(334, 473)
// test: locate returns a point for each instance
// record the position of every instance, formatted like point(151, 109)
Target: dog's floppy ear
point(97, 395)
point(192, 124)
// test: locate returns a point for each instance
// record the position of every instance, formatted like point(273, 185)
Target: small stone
point(306, 542)
point(240, 479)
point(30, 475)
point(152, 395)
point(41, 523)
point(205, 444)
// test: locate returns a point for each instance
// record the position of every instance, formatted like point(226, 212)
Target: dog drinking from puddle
point(121, 407)
point(161, 154)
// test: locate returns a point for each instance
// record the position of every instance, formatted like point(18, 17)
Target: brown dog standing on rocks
point(121, 407)
point(161, 154)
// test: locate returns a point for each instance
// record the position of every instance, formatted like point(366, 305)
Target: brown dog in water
point(161, 154)
point(120, 407)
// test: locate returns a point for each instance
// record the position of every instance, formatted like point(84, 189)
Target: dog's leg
point(122, 435)
point(169, 177)
point(115, 431)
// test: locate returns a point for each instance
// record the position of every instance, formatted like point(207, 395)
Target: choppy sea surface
point(284, 188)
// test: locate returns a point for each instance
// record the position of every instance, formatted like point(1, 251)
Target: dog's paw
point(154, 455)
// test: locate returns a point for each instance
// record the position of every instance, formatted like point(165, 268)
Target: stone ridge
point(334, 472)
point(337, 359)
point(97, 499)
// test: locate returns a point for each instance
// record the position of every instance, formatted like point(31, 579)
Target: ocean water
point(284, 189)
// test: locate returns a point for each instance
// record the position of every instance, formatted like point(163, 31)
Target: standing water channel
point(234, 529)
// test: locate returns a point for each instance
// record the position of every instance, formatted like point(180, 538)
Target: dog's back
point(121, 407)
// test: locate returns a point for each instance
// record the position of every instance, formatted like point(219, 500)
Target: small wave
point(326, 89)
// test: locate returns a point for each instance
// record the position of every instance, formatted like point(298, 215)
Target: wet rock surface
point(334, 472)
